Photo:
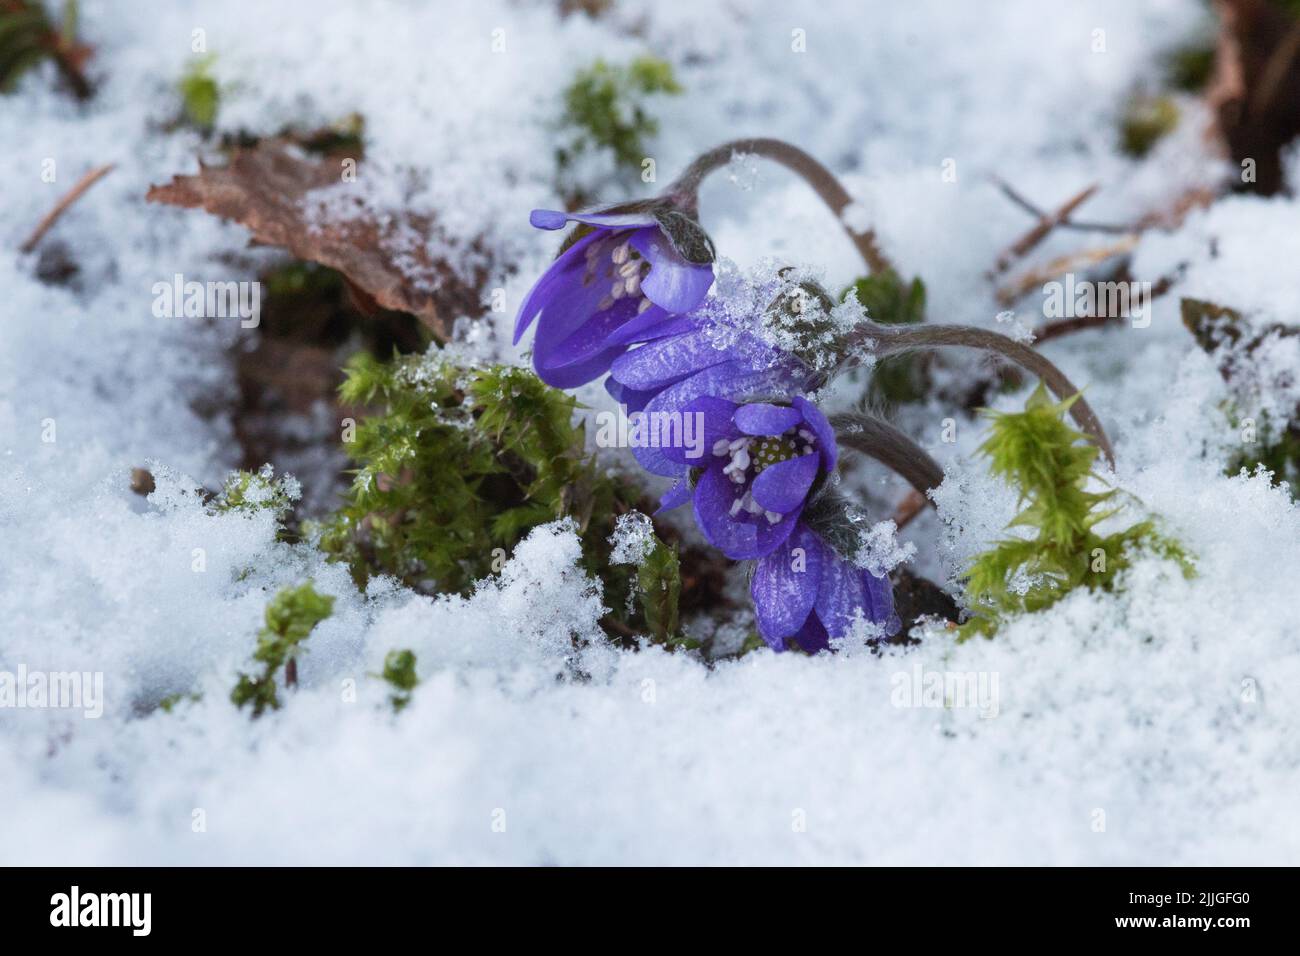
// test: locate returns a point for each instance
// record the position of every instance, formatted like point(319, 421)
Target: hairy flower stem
point(890, 339)
point(684, 192)
point(880, 440)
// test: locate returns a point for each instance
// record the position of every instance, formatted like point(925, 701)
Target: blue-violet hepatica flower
point(806, 591)
point(759, 465)
point(625, 281)
point(762, 462)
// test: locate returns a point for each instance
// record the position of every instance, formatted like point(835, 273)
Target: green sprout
point(605, 109)
point(399, 671)
point(200, 94)
point(1050, 463)
point(290, 618)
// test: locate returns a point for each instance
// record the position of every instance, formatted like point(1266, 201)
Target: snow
point(1152, 725)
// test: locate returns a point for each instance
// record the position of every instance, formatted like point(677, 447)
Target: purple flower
point(625, 281)
point(804, 591)
point(759, 464)
point(762, 461)
point(665, 376)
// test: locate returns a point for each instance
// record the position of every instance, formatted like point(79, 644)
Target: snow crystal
point(633, 538)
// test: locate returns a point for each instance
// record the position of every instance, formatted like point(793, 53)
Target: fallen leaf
point(285, 199)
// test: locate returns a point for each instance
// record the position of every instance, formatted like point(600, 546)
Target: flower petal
point(812, 637)
point(653, 323)
point(714, 495)
point(785, 583)
point(762, 418)
point(565, 270)
point(846, 589)
point(769, 537)
point(782, 487)
point(673, 283)
point(704, 421)
point(880, 602)
point(821, 428)
point(555, 219)
point(665, 361)
point(676, 496)
point(631, 399)
point(731, 379)
point(582, 355)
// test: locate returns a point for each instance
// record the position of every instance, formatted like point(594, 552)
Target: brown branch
point(1063, 264)
point(685, 188)
point(1054, 330)
point(1029, 207)
point(1040, 231)
point(88, 180)
point(909, 508)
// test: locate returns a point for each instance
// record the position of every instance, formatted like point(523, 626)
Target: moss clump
point(1050, 463)
point(399, 671)
point(1146, 120)
point(200, 94)
point(604, 108)
point(1188, 68)
point(455, 466)
point(659, 589)
point(290, 617)
point(248, 492)
point(29, 36)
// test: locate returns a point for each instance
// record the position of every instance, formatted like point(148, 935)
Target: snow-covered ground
point(1154, 725)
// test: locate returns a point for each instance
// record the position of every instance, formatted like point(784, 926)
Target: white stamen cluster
point(749, 455)
point(618, 264)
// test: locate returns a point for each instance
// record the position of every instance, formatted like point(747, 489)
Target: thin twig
point(88, 180)
point(909, 508)
point(1024, 283)
point(1040, 231)
point(1027, 206)
point(685, 190)
point(1054, 330)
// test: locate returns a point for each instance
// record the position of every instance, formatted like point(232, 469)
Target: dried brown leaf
point(265, 188)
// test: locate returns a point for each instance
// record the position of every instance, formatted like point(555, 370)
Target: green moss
point(1050, 463)
point(455, 466)
point(890, 300)
point(1146, 119)
point(200, 94)
point(605, 108)
point(659, 589)
point(29, 36)
point(247, 492)
point(290, 618)
point(1188, 68)
point(169, 703)
point(399, 671)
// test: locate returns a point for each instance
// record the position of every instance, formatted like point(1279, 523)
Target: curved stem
point(892, 448)
point(685, 189)
point(901, 338)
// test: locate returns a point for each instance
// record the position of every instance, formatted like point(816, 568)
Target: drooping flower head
point(764, 462)
point(630, 278)
point(805, 591)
